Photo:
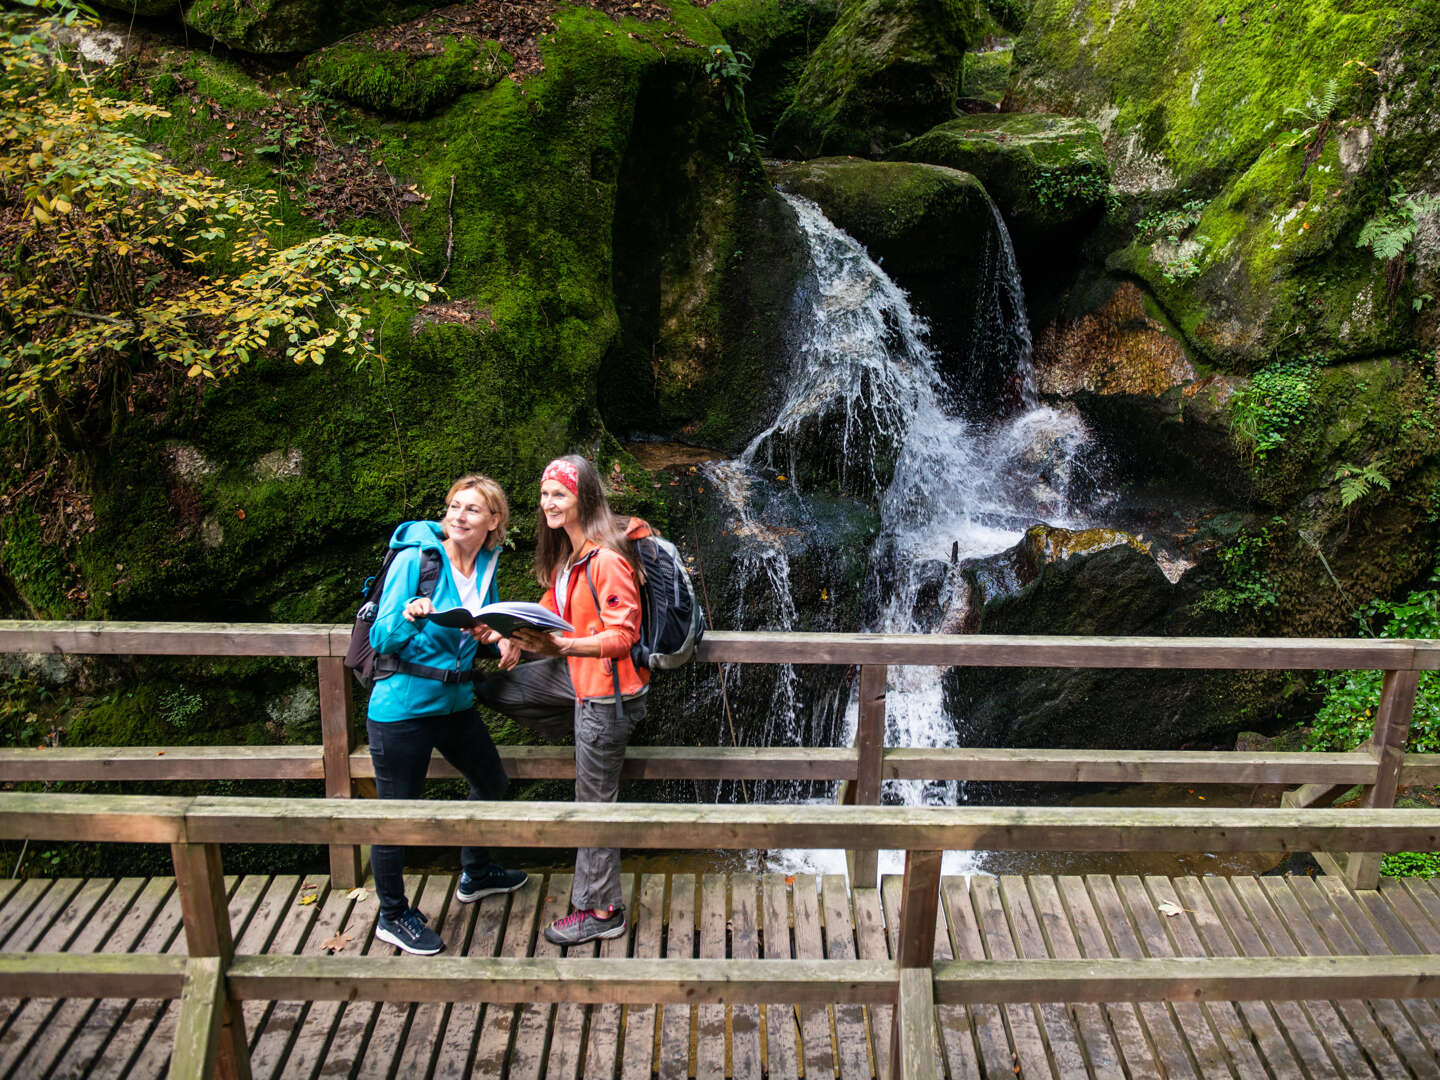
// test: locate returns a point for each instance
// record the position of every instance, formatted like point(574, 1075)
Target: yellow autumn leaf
point(308, 898)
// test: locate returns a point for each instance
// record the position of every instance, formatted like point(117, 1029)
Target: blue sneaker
point(490, 881)
point(408, 931)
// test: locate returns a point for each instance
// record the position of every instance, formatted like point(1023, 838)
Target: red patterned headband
point(563, 472)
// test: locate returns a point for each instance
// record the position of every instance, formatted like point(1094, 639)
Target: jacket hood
point(421, 534)
point(638, 529)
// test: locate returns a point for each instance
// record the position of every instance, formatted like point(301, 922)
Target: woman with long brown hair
point(585, 683)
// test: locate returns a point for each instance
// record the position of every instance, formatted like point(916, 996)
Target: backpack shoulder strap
point(614, 667)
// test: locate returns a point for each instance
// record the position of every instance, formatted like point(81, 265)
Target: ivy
point(114, 261)
point(1419, 864)
point(1247, 586)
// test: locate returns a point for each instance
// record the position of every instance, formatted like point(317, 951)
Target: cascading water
point(976, 460)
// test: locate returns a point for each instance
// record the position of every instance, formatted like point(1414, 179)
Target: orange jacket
point(618, 618)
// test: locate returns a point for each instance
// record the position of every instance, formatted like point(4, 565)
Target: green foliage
point(1247, 587)
point(116, 262)
point(1315, 113)
point(1172, 223)
point(1388, 232)
point(1356, 481)
point(730, 71)
point(1188, 261)
point(1277, 401)
point(1419, 864)
point(1057, 189)
point(1347, 715)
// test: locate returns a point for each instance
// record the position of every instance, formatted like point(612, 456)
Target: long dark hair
point(598, 522)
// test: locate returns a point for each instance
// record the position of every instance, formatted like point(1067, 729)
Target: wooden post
point(201, 885)
point(336, 701)
point(1392, 731)
point(870, 758)
point(914, 1050)
point(200, 1026)
point(919, 905)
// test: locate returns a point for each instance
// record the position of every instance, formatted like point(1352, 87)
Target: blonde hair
point(494, 496)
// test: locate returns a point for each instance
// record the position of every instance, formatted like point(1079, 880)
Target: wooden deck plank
point(147, 1033)
point(492, 1050)
point(1349, 1056)
point(1132, 1042)
point(747, 1056)
point(392, 1019)
point(602, 1046)
point(961, 939)
point(781, 1021)
point(1056, 1022)
point(1194, 1020)
point(871, 945)
point(673, 1062)
point(33, 1016)
point(1404, 1020)
point(456, 1040)
point(294, 922)
point(162, 935)
point(710, 1019)
point(1170, 1047)
point(1100, 1051)
point(852, 1046)
point(1261, 1021)
point(1371, 1040)
point(424, 1035)
point(532, 1026)
point(271, 1041)
point(817, 1048)
point(1426, 896)
point(1308, 1044)
point(31, 911)
point(638, 1044)
point(328, 1023)
point(567, 1028)
point(1027, 1043)
point(70, 1021)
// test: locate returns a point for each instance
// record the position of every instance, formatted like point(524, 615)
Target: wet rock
point(1120, 347)
point(778, 36)
point(1048, 174)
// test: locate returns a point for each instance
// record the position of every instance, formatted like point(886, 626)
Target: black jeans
point(401, 750)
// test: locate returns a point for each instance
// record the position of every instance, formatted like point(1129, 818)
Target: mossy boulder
point(291, 26)
point(912, 218)
point(887, 71)
point(1289, 127)
point(984, 77)
point(146, 8)
point(777, 36)
point(406, 84)
point(1047, 173)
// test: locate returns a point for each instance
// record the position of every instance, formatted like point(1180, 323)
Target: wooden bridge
point(739, 975)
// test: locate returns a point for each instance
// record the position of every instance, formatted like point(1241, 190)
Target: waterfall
point(960, 469)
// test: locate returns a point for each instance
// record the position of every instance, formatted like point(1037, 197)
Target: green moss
point(34, 566)
point(290, 26)
point(887, 71)
point(403, 84)
point(985, 76)
point(778, 36)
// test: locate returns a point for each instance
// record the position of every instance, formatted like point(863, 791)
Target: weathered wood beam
point(201, 1022)
point(53, 816)
point(91, 975)
point(512, 980)
point(913, 1046)
point(1128, 766)
point(167, 639)
point(1245, 978)
point(336, 705)
point(661, 763)
point(1392, 731)
point(154, 763)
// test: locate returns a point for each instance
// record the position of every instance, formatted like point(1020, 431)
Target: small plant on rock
point(1388, 233)
point(1357, 481)
point(1275, 404)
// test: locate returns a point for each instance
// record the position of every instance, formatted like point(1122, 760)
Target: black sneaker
point(581, 926)
point(493, 879)
point(409, 932)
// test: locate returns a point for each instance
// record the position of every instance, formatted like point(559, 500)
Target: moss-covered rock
point(292, 26)
point(1289, 126)
point(984, 77)
point(778, 36)
point(139, 7)
point(400, 83)
point(1046, 173)
point(912, 218)
point(887, 71)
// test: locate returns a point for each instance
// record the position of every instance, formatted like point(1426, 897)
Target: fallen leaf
point(1165, 907)
point(789, 879)
point(159, 753)
point(358, 895)
point(331, 944)
point(308, 898)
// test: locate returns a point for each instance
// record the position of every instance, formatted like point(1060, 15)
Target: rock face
point(1272, 141)
point(777, 36)
point(913, 219)
point(1118, 348)
point(1047, 174)
point(887, 71)
point(284, 26)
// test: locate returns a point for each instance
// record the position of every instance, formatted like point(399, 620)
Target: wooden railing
point(211, 981)
point(1380, 766)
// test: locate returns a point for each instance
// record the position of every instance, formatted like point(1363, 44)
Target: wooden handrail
point(763, 647)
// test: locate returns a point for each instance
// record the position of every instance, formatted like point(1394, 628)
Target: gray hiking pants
point(540, 695)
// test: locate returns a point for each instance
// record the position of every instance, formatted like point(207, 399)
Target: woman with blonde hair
point(585, 683)
point(424, 694)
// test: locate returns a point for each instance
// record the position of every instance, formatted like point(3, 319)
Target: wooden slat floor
point(749, 915)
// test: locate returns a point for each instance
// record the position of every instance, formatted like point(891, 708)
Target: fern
point(1388, 232)
point(1315, 112)
point(1356, 481)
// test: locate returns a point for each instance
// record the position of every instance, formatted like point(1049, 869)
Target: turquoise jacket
point(407, 697)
